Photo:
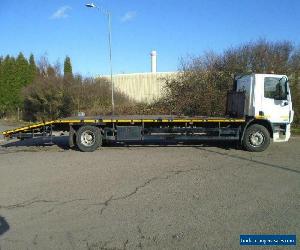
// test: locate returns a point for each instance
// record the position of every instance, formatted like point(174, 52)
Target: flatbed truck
point(259, 110)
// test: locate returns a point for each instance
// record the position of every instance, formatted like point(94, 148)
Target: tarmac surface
point(145, 196)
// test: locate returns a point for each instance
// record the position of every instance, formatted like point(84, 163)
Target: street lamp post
point(108, 14)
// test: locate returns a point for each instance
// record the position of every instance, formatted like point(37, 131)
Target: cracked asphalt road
point(145, 197)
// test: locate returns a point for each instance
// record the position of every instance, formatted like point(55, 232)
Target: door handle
point(285, 103)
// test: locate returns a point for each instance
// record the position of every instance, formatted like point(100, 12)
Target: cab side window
point(275, 88)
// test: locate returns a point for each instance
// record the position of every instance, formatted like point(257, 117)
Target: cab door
point(276, 101)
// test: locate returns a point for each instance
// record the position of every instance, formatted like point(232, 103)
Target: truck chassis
point(89, 133)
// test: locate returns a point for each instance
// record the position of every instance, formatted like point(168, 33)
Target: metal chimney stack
point(153, 61)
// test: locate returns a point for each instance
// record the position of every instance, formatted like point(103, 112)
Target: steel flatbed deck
point(120, 120)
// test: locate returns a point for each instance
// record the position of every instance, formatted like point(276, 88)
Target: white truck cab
point(268, 97)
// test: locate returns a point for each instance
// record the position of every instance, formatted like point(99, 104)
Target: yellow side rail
point(72, 121)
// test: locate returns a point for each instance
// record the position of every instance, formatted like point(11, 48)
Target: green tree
point(68, 67)
point(22, 71)
point(15, 74)
point(32, 68)
point(9, 85)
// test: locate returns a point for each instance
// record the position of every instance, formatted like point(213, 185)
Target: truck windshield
point(276, 88)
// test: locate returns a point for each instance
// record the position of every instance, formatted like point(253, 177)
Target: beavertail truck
point(259, 109)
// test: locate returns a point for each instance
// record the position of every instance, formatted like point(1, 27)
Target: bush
point(53, 96)
point(202, 86)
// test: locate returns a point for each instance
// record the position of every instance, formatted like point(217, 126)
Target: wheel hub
point(87, 138)
point(256, 139)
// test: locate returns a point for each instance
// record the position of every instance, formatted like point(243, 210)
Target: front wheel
point(256, 138)
point(88, 138)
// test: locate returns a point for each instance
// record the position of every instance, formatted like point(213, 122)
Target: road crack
point(109, 201)
point(35, 200)
point(105, 204)
point(26, 203)
point(61, 204)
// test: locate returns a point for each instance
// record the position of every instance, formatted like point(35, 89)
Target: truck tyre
point(88, 138)
point(256, 138)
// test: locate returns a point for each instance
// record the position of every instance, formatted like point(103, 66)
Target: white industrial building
point(143, 87)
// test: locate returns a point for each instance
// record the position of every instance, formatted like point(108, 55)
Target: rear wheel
point(256, 138)
point(88, 138)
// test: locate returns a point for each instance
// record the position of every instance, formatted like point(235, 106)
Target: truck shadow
point(60, 141)
point(223, 145)
point(63, 143)
point(260, 163)
point(4, 227)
